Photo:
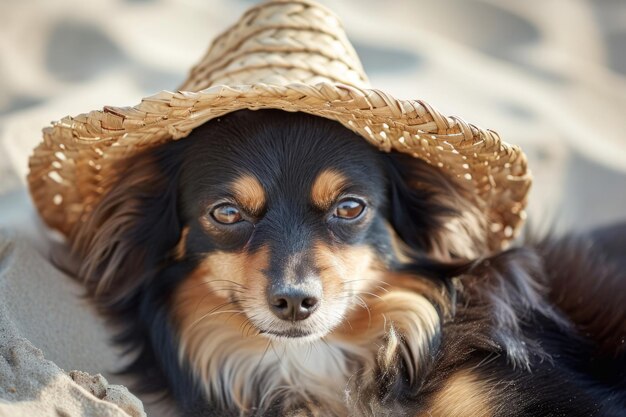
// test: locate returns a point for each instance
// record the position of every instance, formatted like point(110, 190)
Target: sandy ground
point(34, 385)
point(548, 75)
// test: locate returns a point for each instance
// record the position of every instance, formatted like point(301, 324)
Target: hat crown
point(280, 43)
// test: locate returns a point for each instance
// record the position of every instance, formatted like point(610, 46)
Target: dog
point(275, 263)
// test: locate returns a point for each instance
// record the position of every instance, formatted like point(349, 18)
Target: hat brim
point(77, 162)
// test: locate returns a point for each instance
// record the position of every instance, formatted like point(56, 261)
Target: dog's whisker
point(349, 324)
point(355, 280)
point(366, 307)
point(229, 289)
point(371, 294)
point(208, 314)
point(333, 354)
point(238, 284)
point(307, 355)
point(380, 287)
point(210, 283)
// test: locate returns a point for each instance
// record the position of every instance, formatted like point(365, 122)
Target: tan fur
point(326, 188)
point(211, 327)
point(346, 271)
point(249, 193)
point(399, 249)
point(229, 274)
point(228, 354)
point(463, 395)
point(398, 320)
point(222, 342)
point(181, 247)
point(464, 234)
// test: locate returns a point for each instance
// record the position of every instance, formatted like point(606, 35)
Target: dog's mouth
point(289, 334)
point(301, 332)
point(295, 335)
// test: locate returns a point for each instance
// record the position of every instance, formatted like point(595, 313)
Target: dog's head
point(285, 219)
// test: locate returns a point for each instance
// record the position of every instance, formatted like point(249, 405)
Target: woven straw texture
point(289, 55)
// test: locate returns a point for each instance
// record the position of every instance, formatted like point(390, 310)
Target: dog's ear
point(431, 212)
point(129, 234)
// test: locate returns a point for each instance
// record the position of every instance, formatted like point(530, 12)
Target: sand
point(38, 303)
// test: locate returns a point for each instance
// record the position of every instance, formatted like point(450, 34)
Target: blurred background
point(548, 75)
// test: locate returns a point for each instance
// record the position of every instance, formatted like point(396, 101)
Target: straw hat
point(291, 55)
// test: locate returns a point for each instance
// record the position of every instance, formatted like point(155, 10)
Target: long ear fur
point(129, 233)
point(432, 212)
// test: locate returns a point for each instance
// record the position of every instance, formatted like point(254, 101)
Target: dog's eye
point(226, 214)
point(349, 209)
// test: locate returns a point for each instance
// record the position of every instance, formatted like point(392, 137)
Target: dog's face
point(283, 219)
point(287, 226)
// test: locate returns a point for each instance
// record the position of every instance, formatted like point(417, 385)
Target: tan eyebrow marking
point(327, 187)
point(249, 192)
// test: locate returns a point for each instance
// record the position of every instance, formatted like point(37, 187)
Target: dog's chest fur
point(318, 370)
point(255, 372)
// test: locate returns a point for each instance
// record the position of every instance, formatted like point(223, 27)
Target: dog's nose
point(294, 304)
